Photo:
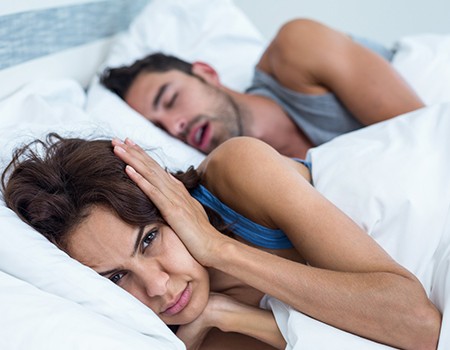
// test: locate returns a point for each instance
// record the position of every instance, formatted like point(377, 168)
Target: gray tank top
point(321, 117)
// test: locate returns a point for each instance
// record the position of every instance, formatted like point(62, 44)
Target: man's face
point(187, 107)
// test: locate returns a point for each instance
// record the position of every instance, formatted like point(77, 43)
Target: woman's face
point(152, 264)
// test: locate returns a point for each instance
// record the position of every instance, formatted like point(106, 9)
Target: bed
point(49, 301)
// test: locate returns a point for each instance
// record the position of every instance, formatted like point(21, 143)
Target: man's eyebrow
point(135, 250)
point(159, 95)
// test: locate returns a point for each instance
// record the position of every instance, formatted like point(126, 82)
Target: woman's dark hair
point(52, 185)
point(119, 79)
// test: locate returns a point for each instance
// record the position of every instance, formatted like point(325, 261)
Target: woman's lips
point(180, 303)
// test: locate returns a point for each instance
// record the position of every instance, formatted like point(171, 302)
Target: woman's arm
point(348, 274)
point(351, 282)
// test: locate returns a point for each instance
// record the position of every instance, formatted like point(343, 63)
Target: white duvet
point(393, 180)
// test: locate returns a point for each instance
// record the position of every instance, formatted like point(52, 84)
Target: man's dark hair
point(120, 79)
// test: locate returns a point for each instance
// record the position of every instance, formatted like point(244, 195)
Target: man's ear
point(206, 72)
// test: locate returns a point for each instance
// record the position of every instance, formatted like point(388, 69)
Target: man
point(311, 84)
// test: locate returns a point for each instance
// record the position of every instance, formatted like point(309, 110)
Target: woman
point(328, 267)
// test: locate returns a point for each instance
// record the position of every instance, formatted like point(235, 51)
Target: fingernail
point(129, 142)
point(119, 149)
point(117, 140)
point(130, 168)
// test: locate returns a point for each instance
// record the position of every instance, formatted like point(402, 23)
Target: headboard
point(52, 38)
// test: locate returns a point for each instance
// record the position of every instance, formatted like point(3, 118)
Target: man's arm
point(312, 58)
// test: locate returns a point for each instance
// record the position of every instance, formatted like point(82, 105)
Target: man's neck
point(266, 120)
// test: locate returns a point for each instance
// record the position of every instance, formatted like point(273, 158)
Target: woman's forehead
point(101, 238)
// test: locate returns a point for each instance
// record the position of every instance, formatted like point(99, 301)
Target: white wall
point(382, 20)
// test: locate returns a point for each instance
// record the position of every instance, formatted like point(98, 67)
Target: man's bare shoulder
point(300, 49)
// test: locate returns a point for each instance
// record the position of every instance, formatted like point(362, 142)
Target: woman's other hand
point(194, 333)
point(230, 315)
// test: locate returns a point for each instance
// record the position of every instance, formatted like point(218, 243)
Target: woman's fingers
point(134, 155)
point(168, 194)
point(151, 191)
point(145, 165)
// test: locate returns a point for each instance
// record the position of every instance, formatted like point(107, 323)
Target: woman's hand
point(194, 333)
point(184, 214)
point(229, 315)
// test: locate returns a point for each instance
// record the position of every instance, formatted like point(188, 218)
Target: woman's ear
point(206, 72)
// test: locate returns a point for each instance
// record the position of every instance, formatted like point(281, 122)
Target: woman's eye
point(117, 277)
point(148, 238)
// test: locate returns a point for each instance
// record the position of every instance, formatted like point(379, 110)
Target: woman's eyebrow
point(135, 250)
point(106, 273)
point(159, 95)
point(138, 241)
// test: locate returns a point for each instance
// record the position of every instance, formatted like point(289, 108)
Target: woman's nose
point(155, 282)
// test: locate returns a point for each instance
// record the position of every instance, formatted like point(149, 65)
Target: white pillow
point(58, 105)
point(119, 120)
point(214, 31)
point(34, 319)
point(74, 294)
point(424, 62)
point(86, 306)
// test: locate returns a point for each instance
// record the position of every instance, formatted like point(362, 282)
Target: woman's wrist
point(230, 315)
point(222, 250)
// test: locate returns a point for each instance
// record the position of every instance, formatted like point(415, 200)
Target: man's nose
point(176, 125)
